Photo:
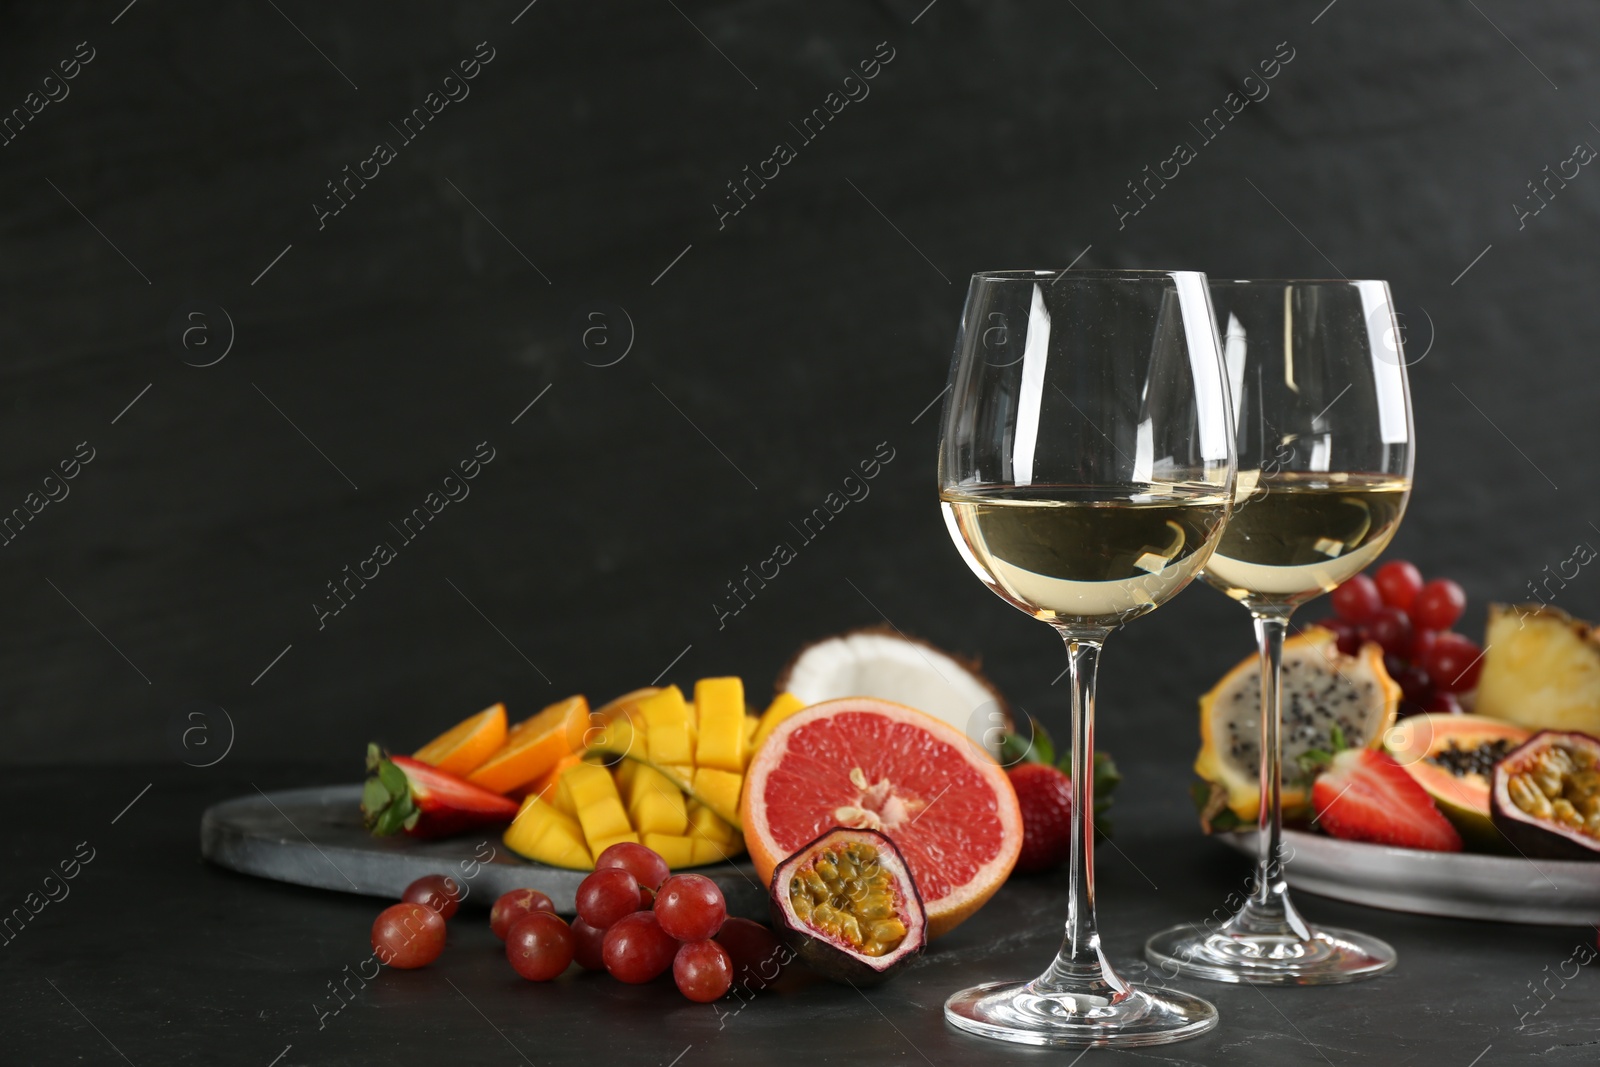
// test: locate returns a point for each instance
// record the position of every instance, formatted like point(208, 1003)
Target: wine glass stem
point(1081, 967)
point(1269, 909)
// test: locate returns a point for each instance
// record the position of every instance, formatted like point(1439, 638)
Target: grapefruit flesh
point(866, 763)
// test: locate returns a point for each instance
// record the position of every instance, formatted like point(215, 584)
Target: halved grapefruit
point(861, 762)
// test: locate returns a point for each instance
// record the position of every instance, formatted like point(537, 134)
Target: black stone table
point(151, 956)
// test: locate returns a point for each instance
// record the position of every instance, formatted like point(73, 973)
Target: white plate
point(1460, 884)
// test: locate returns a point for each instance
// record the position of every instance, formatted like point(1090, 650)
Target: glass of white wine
point(1086, 470)
point(1323, 417)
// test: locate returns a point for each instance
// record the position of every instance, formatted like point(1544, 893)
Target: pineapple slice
point(1541, 669)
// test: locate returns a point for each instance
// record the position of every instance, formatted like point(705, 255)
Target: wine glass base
point(1017, 1012)
point(1329, 957)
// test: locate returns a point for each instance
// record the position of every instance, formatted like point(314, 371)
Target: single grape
point(1347, 632)
point(606, 896)
point(1358, 599)
point(1415, 683)
point(438, 891)
point(690, 907)
point(1438, 605)
point(702, 970)
point(588, 946)
point(1391, 628)
point(1399, 582)
point(515, 905)
point(647, 868)
point(407, 935)
point(1445, 703)
point(539, 946)
point(755, 951)
point(636, 949)
point(1455, 663)
point(1422, 643)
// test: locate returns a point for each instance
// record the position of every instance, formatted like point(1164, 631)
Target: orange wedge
point(461, 749)
point(534, 746)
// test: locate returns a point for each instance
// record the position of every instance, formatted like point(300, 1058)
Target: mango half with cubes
point(660, 770)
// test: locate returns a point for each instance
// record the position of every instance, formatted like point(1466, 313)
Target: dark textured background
point(776, 353)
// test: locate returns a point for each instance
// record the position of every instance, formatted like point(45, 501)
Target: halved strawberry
point(1364, 795)
point(403, 794)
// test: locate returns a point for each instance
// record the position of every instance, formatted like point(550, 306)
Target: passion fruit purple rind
point(847, 907)
point(1546, 796)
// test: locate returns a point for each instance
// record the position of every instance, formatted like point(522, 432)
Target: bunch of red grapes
point(1411, 621)
point(635, 921)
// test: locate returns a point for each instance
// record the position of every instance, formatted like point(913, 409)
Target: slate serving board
point(313, 837)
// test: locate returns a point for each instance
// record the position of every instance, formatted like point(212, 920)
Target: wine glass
point(1323, 417)
point(1086, 472)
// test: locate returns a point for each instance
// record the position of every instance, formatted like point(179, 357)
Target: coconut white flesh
point(907, 672)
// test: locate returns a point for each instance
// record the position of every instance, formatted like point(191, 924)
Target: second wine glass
point(1323, 418)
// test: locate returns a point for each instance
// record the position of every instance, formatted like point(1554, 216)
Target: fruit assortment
point(1378, 747)
point(636, 920)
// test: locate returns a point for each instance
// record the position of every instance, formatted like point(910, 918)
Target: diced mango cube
point(719, 709)
point(600, 810)
point(703, 851)
point(783, 705)
point(666, 718)
point(624, 773)
point(656, 804)
point(676, 849)
point(562, 800)
point(606, 842)
point(719, 791)
point(542, 833)
point(703, 822)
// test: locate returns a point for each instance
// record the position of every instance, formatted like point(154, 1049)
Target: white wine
point(1091, 557)
point(1295, 535)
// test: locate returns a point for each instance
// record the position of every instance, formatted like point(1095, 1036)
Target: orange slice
point(462, 749)
point(534, 746)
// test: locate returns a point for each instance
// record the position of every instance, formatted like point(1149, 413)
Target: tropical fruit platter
point(1422, 770)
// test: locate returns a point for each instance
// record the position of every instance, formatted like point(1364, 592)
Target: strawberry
point(404, 794)
point(1045, 796)
point(1044, 793)
point(1364, 795)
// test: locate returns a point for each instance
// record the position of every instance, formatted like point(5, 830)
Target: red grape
point(1444, 703)
point(1454, 663)
point(606, 896)
point(588, 946)
point(440, 892)
point(1349, 634)
point(756, 952)
point(539, 946)
point(1438, 605)
point(1358, 599)
point(647, 868)
point(636, 949)
point(690, 907)
point(515, 905)
point(408, 935)
point(1422, 645)
point(702, 970)
point(1399, 582)
point(1391, 628)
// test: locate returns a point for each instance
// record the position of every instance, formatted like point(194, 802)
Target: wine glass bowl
point(1322, 413)
point(1086, 472)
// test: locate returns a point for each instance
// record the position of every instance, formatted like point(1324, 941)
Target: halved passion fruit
point(1453, 758)
point(848, 908)
point(1546, 796)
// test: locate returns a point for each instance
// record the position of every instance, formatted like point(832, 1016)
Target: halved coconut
point(877, 661)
